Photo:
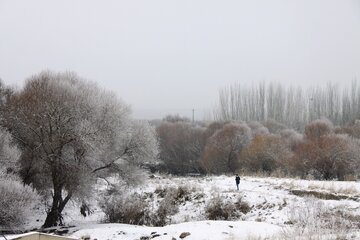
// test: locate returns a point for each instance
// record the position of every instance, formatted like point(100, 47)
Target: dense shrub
point(178, 194)
point(224, 147)
point(134, 209)
point(330, 156)
point(242, 206)
point(310, 217)
point(167, 208)
point(16, 201)
point(220, 209)
point(181, 145)
point(169, 205)
point(126, 209)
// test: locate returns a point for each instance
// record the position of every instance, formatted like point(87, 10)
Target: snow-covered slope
point(279, 209)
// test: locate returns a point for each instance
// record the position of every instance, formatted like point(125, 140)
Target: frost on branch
point(16, 200)
point(70, 131)
point(9, 152)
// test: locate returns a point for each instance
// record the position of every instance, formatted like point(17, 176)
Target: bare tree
point(70, 131)
point(265, 153)
point(318, 128)
point(292, 107)
point(181, 145)
point(224, 146)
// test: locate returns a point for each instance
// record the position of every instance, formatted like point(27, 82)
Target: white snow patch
point(203, 230)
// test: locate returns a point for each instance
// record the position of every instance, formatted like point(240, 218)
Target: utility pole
point(193, 114)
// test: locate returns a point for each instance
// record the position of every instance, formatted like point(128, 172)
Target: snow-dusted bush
point(167, 208)
point(180, 145)
point(318, 128)
point(242, 205)
point(258, 129)
point(179, 194)
point(332, 156)
point(135, 209)
point(169, 205)
point(130, 209)
point(311, 217)
point(220, 209)
point(16, 201)
point(224, 147)
point(291, 137)
point(9, 152)
point(273, 126)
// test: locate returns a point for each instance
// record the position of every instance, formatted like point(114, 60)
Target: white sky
point(165, 56)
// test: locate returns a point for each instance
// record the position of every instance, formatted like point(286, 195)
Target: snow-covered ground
point(276, 210)
point(202, 230)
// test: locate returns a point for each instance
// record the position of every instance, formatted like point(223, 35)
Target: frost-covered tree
point(71, 131)
point(294, 107)
point(331, 156)
point(291, 138)
point(318, 128)
point(181, 145)
point(258, 129)
point(224, 147)
point(265, 153)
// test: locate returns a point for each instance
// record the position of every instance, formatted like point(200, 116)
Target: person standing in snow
point(237, 180)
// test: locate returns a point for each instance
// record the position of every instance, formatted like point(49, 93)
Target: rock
point(184, 235)
point(61, 231)
point(85, 237)
point(155, 235)
point(145, 238)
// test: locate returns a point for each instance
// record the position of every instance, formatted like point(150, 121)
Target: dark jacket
point(237, 179)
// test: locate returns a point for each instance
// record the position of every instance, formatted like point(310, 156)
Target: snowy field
point(278, 209)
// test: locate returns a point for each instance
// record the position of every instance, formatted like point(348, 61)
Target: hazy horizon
point(166, 57)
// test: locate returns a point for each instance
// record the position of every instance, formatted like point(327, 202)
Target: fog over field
point(166, 57)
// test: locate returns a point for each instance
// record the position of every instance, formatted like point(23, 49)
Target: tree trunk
point(54, 217)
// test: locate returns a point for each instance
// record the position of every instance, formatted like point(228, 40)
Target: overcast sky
point(164, 56)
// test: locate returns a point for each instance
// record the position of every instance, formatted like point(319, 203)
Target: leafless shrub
point(313, 218)
point(169, 205)
point(219, 209)
point(242, 206)
point(134, 209)
point(16, 201)
point(126, 209)
point(167, 208)
point(178, 194)
point(160, 191)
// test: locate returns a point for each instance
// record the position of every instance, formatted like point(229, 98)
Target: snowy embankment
point(278, 208)
point(203, 230)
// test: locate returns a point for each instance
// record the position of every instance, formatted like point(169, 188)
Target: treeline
point(294, 107)
point(322, 151)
